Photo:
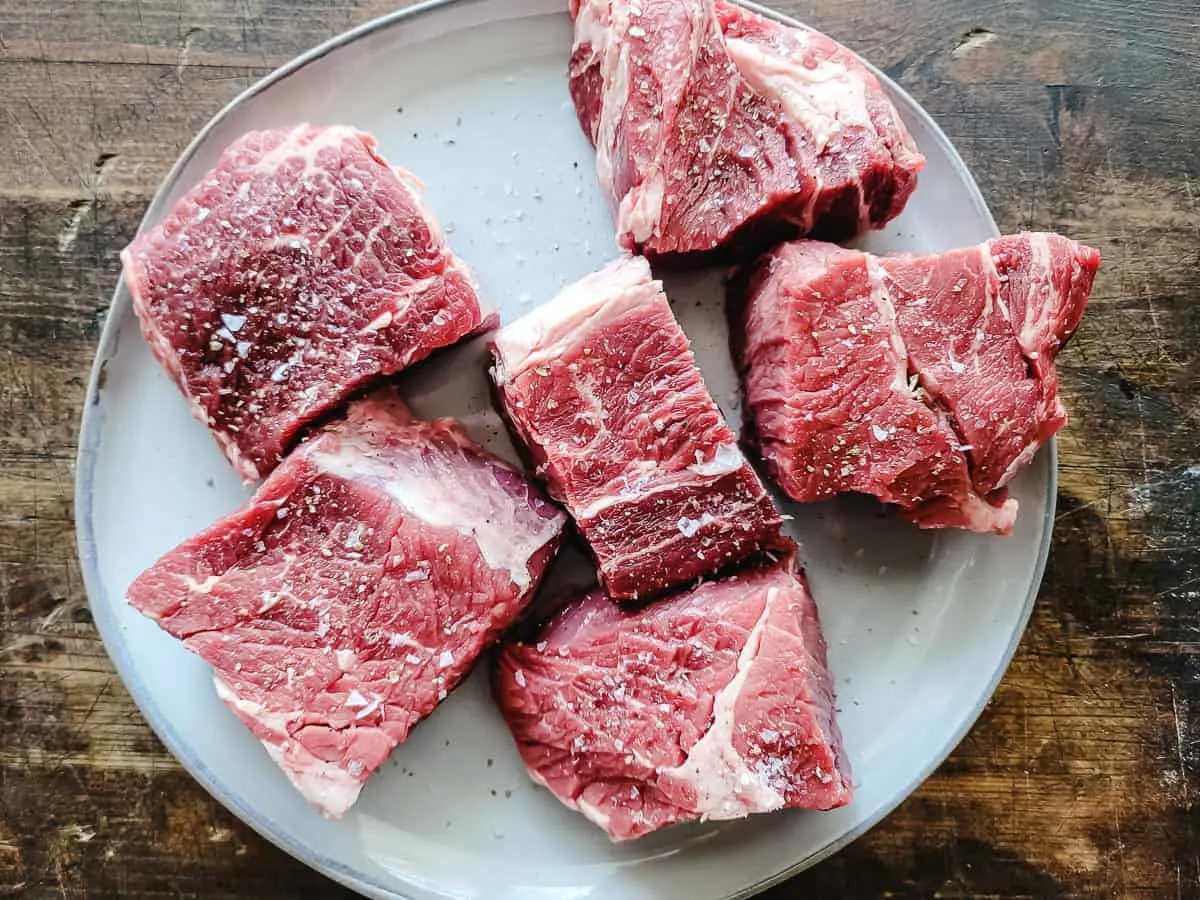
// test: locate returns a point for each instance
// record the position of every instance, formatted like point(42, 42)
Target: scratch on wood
point(1171, 590)
point(1083, 506)
point(81, 833)
point(185, 49)
point(142, 27)
point(35, 151)
point(1183, 777)
point(1120, 844)
point(1163, 353)
point(972, 41)
point(61, 611)
point(101, 170)
point(1121, 637)
point(100, 694)
point(67, 237)
point(1143, 437)
point(103, 166)
point(19, 643)
point(118, 761)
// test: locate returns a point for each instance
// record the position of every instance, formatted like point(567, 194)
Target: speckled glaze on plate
point(472, 96)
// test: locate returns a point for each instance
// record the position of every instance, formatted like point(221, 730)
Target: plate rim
point(91, 424)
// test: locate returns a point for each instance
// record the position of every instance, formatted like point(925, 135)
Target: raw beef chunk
point(714, 125)
point(711, 704)
point(356, 589)
point(298, 269)
point(601, 388)
point(926, 381)
point(841, 126)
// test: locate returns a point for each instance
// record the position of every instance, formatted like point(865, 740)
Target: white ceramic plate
point(472, 96)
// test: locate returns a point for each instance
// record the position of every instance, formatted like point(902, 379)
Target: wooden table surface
point(1081, 777)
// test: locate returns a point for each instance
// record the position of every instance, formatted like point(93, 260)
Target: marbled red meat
point(601, 388)
point(299, 269)
point(715, 703)
point(926, 381)
point(840, 124)
point(713, 125)
point(356, 589)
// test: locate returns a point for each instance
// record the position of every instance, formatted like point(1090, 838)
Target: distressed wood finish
point(1079, 780)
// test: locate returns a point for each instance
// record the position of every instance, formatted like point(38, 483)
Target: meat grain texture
point(601, 388)
point(356, 589)
point(714, 703)
point(926, 381)
point(301, 268)
point(715, 126)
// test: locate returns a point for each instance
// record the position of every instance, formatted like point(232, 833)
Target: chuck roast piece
point(356, 589)
point(711, 704)
point(716, 126)
point(299, 269)
point(926, 381)
point(601, 388)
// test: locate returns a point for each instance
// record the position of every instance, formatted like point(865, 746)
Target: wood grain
point(1081, 777)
